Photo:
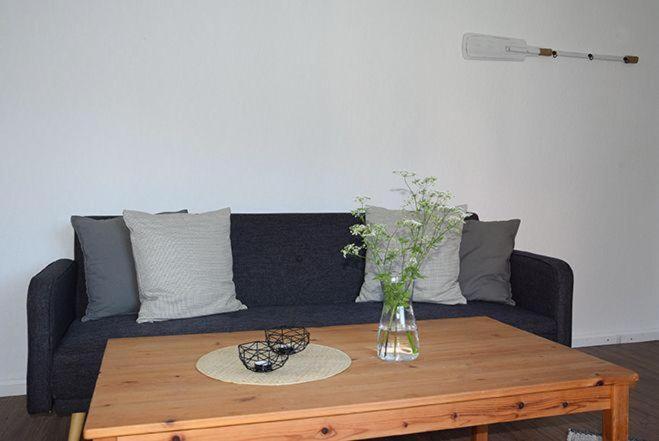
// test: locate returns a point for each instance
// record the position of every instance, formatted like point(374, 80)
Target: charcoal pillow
point(485, 260)
point(109, 269)
point(440, 270)
point(184, 264)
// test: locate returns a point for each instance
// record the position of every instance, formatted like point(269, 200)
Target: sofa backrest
point(282, 259)
point(294, 259)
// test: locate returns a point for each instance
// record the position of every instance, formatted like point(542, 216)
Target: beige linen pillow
point(441, 269)
point(183, 264)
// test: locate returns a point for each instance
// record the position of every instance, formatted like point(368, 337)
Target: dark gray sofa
point(287, 270)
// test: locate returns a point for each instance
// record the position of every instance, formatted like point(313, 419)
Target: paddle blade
point(489, 47)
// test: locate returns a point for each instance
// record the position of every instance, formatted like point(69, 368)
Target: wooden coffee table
point(472, 372)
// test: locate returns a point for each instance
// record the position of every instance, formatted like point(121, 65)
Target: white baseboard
point(11, 387)
point(612, 339)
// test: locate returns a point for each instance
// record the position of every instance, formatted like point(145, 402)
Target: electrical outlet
point(596, 341)
point(614, 339)
point(640, 337)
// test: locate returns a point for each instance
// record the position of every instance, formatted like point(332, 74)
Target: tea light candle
point(285, 348)
point(262, 366)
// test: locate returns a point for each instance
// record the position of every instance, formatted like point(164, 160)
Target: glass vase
point(398, 337)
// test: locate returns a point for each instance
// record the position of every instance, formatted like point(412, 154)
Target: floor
point(15, 424)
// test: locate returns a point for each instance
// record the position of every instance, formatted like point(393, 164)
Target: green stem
point(392, 314)
point(410, 339)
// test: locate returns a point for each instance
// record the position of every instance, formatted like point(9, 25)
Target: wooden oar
point(490, 47)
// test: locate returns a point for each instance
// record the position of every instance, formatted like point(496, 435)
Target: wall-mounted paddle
point(489, 47)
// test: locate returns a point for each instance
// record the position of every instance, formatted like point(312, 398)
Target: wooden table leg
point(479, 433)
point(616, 420)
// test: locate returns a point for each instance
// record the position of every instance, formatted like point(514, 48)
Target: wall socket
point(600, 340)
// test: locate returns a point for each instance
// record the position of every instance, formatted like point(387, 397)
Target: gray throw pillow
point(109, 268)
point(485, 260)
point(184, 264)
point(440, 270)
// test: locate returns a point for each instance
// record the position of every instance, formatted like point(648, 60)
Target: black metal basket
point(287, 341)
point(258, 356)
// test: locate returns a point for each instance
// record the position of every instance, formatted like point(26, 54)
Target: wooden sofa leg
point(76, 424)
point(479, 433)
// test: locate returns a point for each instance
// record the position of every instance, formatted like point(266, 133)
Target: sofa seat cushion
point(78, 357)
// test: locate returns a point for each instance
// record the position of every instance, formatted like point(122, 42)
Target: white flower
point(351, 249)
point(404, 173)
point(407, 245)
point(411, 223)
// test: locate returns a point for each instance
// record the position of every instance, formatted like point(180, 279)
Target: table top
point(150, 384)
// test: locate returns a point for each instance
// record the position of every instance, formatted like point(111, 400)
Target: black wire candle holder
point(287, 341)
point(258, 356)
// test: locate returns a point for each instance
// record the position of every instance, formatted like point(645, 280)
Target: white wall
point(300, 105)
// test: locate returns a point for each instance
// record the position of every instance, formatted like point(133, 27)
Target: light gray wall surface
point(283, 106)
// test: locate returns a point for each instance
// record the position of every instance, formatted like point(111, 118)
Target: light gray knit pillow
point(440, 270)
point(183, 263)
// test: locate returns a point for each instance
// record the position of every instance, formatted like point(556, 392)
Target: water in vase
point(398, 337)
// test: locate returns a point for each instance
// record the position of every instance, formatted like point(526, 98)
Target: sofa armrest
point(543, 285)
point(51, 303)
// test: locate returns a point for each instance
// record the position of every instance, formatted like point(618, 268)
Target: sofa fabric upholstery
point(294, 259)
point(81, 350)
point(287, 270)
point(50, 311)
point(543, 284)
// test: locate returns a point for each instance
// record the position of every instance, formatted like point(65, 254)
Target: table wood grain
point(472, 372)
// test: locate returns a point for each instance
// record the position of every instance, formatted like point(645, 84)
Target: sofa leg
point(479, 433)
point(76, 424)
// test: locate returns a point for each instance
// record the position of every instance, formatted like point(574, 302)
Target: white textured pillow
point(183, 263)
point(440, 270)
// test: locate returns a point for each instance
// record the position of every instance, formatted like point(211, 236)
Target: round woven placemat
point(315, 363)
